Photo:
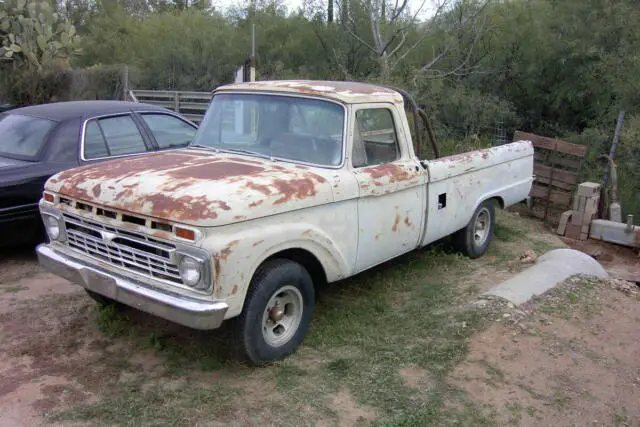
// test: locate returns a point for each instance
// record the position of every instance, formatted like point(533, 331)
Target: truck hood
point(197, 187)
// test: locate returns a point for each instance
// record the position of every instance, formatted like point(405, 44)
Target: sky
point(293, 5)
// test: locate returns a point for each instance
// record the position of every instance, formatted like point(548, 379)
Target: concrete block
point(573, 231)
point(577, 218)
point(588, 189)
point(549, 270)
point(615, 232)
point(582, 200)
point(564, 219)
point(584, 236)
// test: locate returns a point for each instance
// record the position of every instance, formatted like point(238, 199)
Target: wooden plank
point(558, 197)
point(566, 177)
point(558, 184)
point(552, 144)
point(570, 163)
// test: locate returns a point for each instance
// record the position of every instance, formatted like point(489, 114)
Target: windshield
point(289, 128)
point(22, 137)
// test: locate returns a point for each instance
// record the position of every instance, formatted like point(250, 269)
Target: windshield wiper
point(249, 152)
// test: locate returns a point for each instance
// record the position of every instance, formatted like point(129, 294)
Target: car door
point(112, 136)
point(391, 186)
point(168, 131)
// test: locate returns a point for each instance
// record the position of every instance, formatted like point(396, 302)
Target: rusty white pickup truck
point(286, 185)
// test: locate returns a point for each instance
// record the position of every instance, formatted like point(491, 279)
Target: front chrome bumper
point(191, 312)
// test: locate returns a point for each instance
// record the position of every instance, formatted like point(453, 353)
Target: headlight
point(52, 226)
point(190, 271)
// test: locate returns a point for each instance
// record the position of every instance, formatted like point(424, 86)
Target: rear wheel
point(473, 240)
point(277, 312)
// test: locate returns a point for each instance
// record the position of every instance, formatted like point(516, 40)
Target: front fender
point(238, 254)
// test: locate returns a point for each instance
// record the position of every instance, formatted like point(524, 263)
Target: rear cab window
point(112, 136)
point(22, 137)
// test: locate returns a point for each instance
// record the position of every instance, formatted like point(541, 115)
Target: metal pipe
point(629, 223)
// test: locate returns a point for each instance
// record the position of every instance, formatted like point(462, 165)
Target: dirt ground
point(571, 357)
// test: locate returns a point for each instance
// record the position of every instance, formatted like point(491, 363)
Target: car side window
point(169, 131)
point(112, 136)
point(375, 140)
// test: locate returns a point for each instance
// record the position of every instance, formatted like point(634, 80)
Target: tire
point(102, 300)
point(265, 333)
point(473, 241)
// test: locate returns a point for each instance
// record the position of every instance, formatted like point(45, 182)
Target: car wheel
point(277, 312)
point(473, 240)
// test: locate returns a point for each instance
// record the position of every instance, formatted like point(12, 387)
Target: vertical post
point(330, 11)
point(125, 82)
point(252, 60)
point(614, 146)
point(176, 102)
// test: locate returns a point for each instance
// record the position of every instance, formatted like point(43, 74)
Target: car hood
point(197, 187)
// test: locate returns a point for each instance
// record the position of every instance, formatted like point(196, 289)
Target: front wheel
point(277, 312)
point(473, 240)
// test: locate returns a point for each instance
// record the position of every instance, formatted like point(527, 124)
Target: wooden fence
point(556, 169)
point(191, 105)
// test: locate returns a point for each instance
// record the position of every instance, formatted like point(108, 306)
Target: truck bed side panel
point(458, 184)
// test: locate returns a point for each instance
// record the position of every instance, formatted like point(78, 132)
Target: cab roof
point(345, 92)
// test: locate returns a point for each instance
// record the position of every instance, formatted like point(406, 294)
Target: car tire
point(474, 239)
point(277, 312)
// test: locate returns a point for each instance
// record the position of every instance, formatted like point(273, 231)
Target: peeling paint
point(396, 222)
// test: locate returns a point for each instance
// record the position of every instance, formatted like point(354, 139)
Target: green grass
point(13, 289)
point(411, 312)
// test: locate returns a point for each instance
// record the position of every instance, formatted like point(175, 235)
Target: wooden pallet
point(556, 168)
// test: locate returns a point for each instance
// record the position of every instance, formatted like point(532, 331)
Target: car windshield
point(283, 127)
point(22, 137)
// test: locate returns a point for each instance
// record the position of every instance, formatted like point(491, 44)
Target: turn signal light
point(48, 197)
point(185, 233)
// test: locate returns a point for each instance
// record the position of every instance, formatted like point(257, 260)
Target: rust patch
point(178, 186)
point(96, 190)
point(394, 172)
point(256, 203)
point(223, 205)
point(257, 243)
point(181, 208)
point(239, 217)
point(127, 192)
point(396, 223)
point(214, 171)
point(161, 234)
point(307, 232)
point(224, 254)
point(264, 189)
point(294, 189)
point(216, 267)
point(407, 221)
point(234, 290)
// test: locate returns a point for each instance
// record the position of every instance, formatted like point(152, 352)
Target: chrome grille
point(135, 252)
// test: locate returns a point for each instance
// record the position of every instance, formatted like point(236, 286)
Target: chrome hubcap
point(282, 316)
point(481, 227)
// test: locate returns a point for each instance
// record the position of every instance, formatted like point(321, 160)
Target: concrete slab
point(550, 269)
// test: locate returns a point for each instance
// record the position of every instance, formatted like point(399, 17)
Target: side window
point(112, 136)
point(94, 144)
point(169, 131)
point(374, 139)
point(65, 143)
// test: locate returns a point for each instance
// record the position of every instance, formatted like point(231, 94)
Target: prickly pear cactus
point(32, 34)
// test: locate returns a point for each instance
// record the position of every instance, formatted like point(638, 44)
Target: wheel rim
point(481, 227)
point(282, 316)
